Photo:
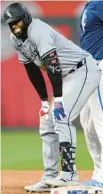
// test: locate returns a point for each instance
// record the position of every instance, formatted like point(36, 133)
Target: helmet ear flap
point(27, 18)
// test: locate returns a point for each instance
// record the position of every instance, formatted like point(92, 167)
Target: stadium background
point(21, 143)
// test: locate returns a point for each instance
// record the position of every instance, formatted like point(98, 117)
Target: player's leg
point(95, 136)
point(75, 95)
point(50, 147)
point(96, 105)
point(91, 136)
point(50, 150)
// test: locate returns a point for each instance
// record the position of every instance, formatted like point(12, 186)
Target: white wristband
point(58, 99)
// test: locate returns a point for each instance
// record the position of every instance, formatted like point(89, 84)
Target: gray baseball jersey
point(43, 39)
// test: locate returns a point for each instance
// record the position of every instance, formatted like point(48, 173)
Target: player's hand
point(58, 110)
point(44, 111)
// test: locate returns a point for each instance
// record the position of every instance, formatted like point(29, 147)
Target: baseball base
point(77, 190)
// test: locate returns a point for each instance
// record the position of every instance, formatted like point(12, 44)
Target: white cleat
point(38, 187)
point(61, 182)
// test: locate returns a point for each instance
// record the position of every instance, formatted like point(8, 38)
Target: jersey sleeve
point(99, 10)
point(44, 41)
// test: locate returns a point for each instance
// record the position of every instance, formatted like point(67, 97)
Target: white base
point(76, 190)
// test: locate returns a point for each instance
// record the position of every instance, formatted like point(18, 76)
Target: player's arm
point(37, 80)
point(54, 72)
point(35, 77)
point(47, 50)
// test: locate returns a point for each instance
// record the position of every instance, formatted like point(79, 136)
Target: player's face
point(16, 27)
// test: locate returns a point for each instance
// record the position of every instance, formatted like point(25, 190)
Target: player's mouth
point(17, 30)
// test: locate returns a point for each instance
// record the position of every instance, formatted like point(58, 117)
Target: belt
point(80, 64)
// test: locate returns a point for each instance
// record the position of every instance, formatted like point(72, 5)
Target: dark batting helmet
point(17, 11)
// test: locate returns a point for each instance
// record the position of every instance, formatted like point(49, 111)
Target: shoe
point(59, 181)
point(38, 187)
point(93, 183)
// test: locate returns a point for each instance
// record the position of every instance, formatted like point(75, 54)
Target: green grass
point(23, 150)
point(83, 159)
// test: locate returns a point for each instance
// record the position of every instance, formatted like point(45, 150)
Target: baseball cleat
point(61, 182)
point(92, 182)
point(38, 187)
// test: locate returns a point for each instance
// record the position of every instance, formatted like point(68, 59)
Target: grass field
point(23, 150)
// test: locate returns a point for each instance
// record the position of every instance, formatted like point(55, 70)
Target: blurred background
point(20, 103)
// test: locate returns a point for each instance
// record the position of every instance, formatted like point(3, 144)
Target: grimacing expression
point(17, 27)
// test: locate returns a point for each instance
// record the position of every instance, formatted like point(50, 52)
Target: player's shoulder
point(37, 28)
point(37, 24)
point(99, 5)
point(95, 4)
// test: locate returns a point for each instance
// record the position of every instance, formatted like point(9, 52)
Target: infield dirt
point(13, 182)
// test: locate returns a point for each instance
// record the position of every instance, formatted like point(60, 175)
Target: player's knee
point(46, 127)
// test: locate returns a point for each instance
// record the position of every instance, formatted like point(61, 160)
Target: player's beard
point(17, 32)
point(20, 33)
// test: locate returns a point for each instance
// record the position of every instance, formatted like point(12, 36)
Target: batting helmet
point(17, 11)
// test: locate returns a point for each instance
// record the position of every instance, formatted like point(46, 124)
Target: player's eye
point(14, 23)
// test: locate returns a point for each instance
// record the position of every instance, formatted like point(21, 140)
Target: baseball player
point(74, 76)
point(91, 35)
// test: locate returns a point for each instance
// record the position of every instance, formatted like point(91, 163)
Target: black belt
point(80, 64)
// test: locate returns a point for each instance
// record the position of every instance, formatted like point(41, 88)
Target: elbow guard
point(52, 63)
point(54, 72)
